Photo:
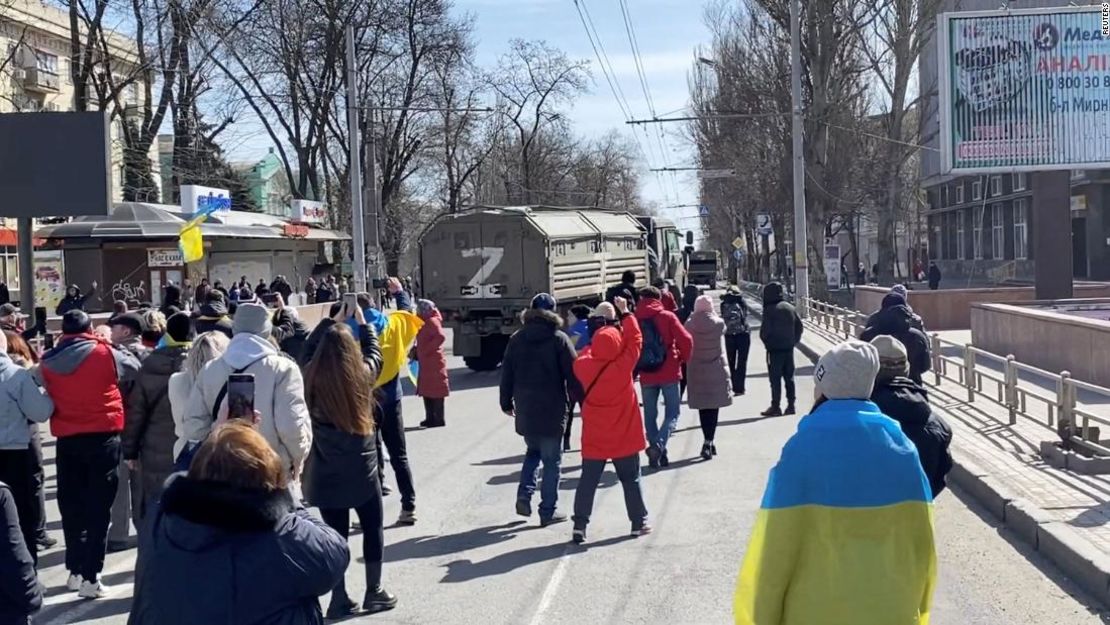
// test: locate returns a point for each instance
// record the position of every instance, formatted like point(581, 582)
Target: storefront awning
point(137, 220)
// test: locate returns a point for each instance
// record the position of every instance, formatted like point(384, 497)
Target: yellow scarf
point(395, 343)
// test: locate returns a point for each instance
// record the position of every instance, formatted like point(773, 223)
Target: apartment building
point(35, 76)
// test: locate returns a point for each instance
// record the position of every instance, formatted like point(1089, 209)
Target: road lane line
point(552, 587)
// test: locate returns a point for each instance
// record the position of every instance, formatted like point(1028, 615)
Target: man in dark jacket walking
point(537, 374)
point(907, 402)
point(934, 276)
point(626, 288)
point(780, 332)
point(897, 320)
point(738, 337)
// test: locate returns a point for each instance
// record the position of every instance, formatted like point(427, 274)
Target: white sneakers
point(74, 582)
point(93, 590)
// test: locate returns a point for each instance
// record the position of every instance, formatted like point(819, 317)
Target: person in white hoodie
point(206, 348)
point(278, 390)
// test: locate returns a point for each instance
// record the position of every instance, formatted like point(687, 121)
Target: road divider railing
point(999, 379)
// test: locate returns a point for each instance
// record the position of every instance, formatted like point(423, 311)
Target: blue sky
point(667, 32)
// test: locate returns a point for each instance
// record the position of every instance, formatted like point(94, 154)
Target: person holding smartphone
point(342, 469)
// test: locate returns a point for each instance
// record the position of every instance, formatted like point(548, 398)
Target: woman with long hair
point(228, 544)
point(206, 348)
point(342, 469)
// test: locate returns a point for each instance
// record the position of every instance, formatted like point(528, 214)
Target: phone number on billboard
point(1078, 82)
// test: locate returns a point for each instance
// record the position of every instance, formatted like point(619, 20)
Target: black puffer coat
point(148, 432)
point(537, 374)
point(217, 554)
point(908, 403)
point(20, 595)
point(782, 327)
point(898, 321)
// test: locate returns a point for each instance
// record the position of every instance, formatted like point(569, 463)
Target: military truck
point(666, 251)
point(703, 268)
point(482, 266)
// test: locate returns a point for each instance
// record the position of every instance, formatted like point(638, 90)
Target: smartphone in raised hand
point(240, 396)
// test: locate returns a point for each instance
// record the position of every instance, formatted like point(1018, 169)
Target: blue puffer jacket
point(217, 554)
point(19, 590)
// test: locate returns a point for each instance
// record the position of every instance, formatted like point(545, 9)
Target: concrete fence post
point(969, 373)
point(1011, 377)
point(935, 354)
point(1066, 424)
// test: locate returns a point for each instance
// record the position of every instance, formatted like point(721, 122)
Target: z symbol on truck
point(491, 258)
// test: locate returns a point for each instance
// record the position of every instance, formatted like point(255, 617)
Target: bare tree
point(532, 81)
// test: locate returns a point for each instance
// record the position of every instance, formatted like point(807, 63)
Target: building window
point(1021, 233)
point(961, 234)
point(996, 186)
point(1077, 174)
point(977, 232)
point(998, 237)
point(960, 193)
point(944, 196)
point(1019, 181)
point(977, 190)
point(46, 62)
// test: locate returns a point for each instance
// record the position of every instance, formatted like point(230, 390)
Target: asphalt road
point(470, 560)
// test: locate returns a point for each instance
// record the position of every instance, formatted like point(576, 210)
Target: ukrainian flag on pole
point(190, 241)
point(844, 535)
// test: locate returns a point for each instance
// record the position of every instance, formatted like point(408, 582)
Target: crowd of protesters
point(147, 436)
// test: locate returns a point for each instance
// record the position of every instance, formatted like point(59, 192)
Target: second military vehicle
point(703, 269)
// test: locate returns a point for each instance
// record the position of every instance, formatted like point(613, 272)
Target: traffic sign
point(738, 254)
point(738, 243)
point(763, 225)
point(703, 210)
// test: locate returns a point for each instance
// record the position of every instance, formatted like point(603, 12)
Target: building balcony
point(40, 81)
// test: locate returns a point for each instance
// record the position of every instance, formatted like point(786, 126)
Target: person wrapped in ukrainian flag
point(844, 535)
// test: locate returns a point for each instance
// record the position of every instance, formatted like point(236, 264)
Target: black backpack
point(654, 353)
point(736, 322)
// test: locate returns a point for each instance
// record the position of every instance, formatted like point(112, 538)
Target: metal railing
point(1002, 384)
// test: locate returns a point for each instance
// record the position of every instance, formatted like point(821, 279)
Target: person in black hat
point(148, 434)
point(85, 376)
point(537, 375)
point(127, 335)
point(214, 315)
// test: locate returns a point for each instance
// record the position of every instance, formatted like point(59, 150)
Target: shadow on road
point(434, 546)
point(798, 371)
point(722, 424)
point(463, 379)
point(497, 462)
point(465, 570)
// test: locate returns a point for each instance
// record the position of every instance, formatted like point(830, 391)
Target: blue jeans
point(548, 450)
point(672, 399)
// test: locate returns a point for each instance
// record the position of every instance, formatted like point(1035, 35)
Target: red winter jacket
point(612, 426)
point(432, 380)
point(82, 375)
point(673, 334)
point(668, 302)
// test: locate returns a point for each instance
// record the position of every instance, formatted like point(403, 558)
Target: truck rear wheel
point(493, 349)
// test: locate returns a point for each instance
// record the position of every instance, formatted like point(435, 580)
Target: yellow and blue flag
point(190, 241)
point(844, 535)
point(395, 342)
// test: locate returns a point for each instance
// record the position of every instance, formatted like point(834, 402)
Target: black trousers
point(628, 472)
point(780, 369)
point(570, 422)
point(708, 419)
point(17, 471)
point(88, 474)
point(39, 472)
point(433, 410)
point(737, 347)
point(391, 432)
point(372, 519)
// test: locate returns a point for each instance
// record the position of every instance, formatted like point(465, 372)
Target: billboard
point(54, 165)
point(196, 199)
point(307, 211)
point(1024, 90)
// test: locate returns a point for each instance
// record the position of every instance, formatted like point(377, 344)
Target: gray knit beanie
point(894, 361)
point(252, 318)
point(847, 371)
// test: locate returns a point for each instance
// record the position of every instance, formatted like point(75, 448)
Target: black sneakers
point(553, 519)
point(773, 411)
point(379, 600)
point(524, 507)
point(789, 410)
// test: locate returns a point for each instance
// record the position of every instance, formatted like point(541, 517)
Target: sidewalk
point(1064, 515)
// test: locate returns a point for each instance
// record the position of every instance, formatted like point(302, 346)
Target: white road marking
point(552, 587)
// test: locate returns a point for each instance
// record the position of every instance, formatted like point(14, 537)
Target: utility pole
point(374, 193)
point(358, 234)
point(801, 239)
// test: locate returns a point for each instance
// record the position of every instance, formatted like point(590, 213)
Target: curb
point(1078, 558)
